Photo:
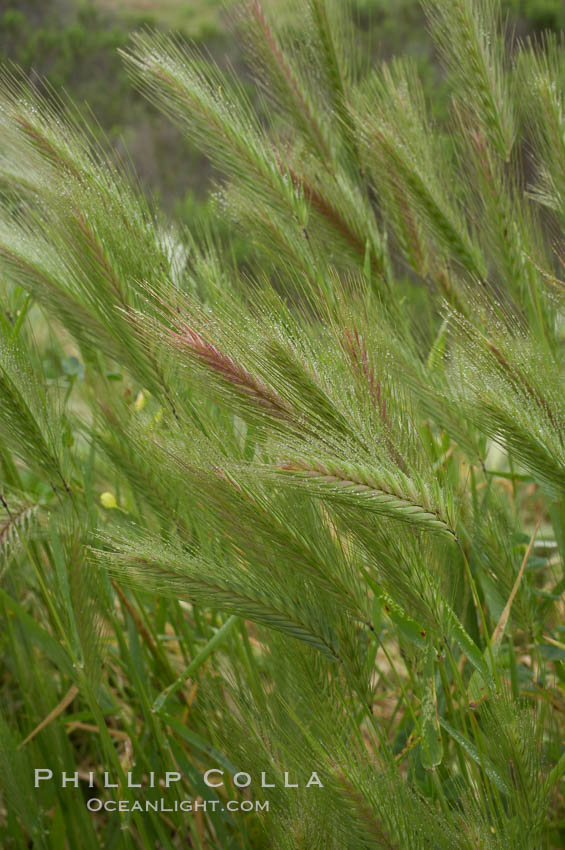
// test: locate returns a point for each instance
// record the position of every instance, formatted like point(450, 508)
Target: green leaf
point(42, 639)
point(479, 758)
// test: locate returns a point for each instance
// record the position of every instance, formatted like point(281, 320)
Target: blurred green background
point(74, 45)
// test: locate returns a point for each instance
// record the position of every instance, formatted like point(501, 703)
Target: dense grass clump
point(302, 512)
